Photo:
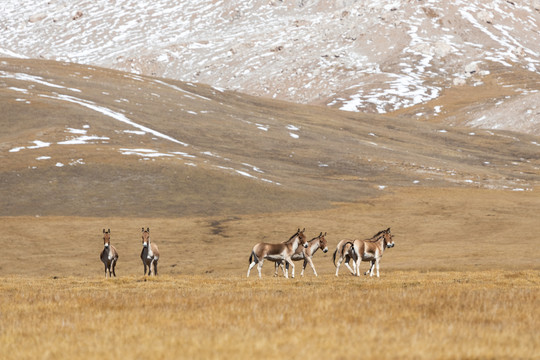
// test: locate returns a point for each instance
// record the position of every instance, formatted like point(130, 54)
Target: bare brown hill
point(85, 141)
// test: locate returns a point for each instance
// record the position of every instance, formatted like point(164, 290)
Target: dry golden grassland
point(402, 315)
point(462, 282)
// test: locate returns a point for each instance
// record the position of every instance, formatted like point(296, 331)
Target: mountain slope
point(82, 140)
point(380, 57)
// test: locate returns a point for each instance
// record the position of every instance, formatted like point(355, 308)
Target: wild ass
point(306, 253)
point(109, 255)
point(345, 250)
point(149, 253)
point(372, 250)
point(276, 252)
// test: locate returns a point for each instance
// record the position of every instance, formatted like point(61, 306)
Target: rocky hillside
point(455, 62)
point(88, 141)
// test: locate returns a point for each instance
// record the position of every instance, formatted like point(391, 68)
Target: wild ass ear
point(325, 233)
point(388, 230)
point(320, 234)
point(104, 231)
point(142, 229)
point(109, 231)
point(147, 229)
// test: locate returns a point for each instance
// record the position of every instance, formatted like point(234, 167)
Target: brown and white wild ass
point(276, 252)
point(372, 250)
point(149, 253)
point(109, 255)
point(345, 250)
point(306, 254)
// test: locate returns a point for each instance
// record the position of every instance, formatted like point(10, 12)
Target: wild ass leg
point(286, 270)
point(105, 271)
point(373, 263)
point(285, 267)
point(353, 271)
point(155, 268)
point(251, 265)
point(354, 258)
point(370, 270)
point(340, 260)
point(357, 267)
point(290, 262)
point(347, 260)
point(377, 264)
point(277, 265)
point(259, 267)
point(150, 267)
point(113, 268)
point(308, 260)
point(253, 260)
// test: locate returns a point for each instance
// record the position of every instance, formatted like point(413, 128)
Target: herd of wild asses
point(283, 254)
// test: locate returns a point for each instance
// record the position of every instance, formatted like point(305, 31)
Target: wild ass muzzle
point(149, 253)
point(109, 255)
point(276, 252)
point(372, 250)
point(345, 250)
point(306, 254)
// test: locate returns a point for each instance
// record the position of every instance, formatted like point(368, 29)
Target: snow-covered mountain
point(371, 56)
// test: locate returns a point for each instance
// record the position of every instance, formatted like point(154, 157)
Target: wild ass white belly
point(368, 256)
point(275, 257)
point(297, 257)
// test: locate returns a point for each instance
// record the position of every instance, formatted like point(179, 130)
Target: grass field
point(402, 315)
point(463, 282)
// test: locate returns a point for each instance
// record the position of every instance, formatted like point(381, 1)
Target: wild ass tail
point(253, 257)
point(334, 258)
point(345, 245)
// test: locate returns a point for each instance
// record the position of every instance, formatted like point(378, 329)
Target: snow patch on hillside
point(80, 136)
point(355, 55)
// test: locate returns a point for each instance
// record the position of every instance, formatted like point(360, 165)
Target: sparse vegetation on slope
point(84, 141)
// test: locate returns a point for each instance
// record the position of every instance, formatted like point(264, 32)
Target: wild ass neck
point(294, 243)
point(314, 246)
point(148, 246)
point(108, 252)
point(381, 243)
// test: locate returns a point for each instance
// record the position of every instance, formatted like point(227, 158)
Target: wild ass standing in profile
point(276, 252)
point(345, 250)
point(372, 250)
point(149, 253)
point(109, 255)
point(306, 253)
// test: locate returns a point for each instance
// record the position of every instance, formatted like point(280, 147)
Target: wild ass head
point(106, 238)
point(388, 238)
point(322, 242)
point(145, 237)
point(302, 238)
